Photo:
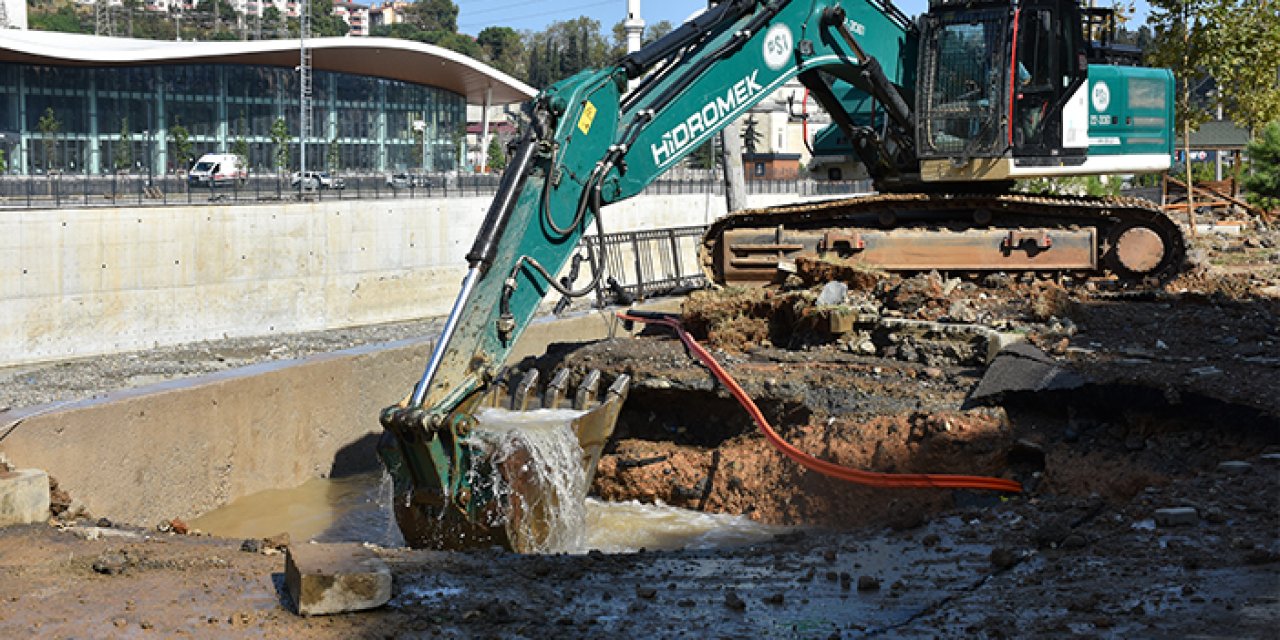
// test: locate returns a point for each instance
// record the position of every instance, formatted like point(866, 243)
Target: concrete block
point(24, 497)
point(335, 578)
point(1176, 516)
point(842, 321)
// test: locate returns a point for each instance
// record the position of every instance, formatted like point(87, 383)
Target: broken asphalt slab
point(1021, 367)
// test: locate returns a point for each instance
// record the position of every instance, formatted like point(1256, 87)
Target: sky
point(474, 15)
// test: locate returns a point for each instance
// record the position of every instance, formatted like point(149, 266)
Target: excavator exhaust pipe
point(454, 503)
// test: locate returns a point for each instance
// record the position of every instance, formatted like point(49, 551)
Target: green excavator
point(944, 113)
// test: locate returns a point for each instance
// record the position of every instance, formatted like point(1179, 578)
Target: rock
point(111, 563)
point(24, 497)
point(647, 593)
point(931, 540)
point(251, 545)
point(1051, 533)
point(279, 541)
point(179, 527)
point(1003, 558)
point(774, 599)
point(335, 578)
point(734, 602)
point(104, 523)
point(962, 311)
point(833, 293)
point(1234, 467)
point(1176, 516)
point(1074, 541)
point(868, 583)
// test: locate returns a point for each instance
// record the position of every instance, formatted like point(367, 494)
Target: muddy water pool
point(357, 509)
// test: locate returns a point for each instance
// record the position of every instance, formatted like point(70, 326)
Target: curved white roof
point(389, 58)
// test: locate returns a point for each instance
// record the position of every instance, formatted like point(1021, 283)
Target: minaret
point(633, 25)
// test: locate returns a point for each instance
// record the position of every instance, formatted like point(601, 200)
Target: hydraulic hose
point(858, 476)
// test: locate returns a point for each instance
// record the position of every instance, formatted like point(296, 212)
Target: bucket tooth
point(620, 386)
point(556, 389)
point(526, 391)
point(587, 390)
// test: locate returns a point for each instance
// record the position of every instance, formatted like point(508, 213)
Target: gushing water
point(542, 490)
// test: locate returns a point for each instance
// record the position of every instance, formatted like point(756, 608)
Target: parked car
point(317, 180)
point(217, 169)
point(408, 181)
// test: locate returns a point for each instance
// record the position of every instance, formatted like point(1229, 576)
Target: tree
point(280, 138)
point(66, 18)
point(565, 48)
point(751, 136)
point(496, 160)
point(1263, 182)
point(1243, 41)
point(123, 159)
point(273, 23)
point(49, 126)
point(503, 49)
point(182, 147)
point(240, 146)
point(324, 23)
point(655, 32)
point(650, 35)
point(433, 15)
point(333, 155)
point(704, 156)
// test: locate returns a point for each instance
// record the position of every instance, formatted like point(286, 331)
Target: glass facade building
point(97, 120)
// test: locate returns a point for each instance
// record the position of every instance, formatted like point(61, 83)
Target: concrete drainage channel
point(182, 448)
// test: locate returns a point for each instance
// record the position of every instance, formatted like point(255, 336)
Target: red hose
point(868, 478)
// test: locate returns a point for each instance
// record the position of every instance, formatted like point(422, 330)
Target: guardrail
point(63, 190)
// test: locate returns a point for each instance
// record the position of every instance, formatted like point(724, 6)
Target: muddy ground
point(1130, 404)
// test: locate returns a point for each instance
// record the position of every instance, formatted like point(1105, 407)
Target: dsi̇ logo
point(778, 45)
point(1101, 96)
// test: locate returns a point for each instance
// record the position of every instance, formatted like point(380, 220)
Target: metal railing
point(70, 190)
point(642, 264)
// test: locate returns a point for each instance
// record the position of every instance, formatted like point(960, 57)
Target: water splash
point(541, 493)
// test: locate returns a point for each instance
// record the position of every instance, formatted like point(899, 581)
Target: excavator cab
point(1000, 80)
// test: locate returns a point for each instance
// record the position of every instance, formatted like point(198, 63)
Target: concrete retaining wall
point(79, 282)
point(181, 449)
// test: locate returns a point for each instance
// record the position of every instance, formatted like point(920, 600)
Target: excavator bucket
point(499, 490)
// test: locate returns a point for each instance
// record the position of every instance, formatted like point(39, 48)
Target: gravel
point(71, 380)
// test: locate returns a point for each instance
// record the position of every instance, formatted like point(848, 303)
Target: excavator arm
point(590, 142)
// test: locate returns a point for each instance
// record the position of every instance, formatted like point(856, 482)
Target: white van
point(217, 169)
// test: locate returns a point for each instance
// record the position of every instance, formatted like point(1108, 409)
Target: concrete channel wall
point(183, 448)
point(81, 282)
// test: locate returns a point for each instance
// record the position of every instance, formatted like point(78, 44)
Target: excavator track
point(1127, 239)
